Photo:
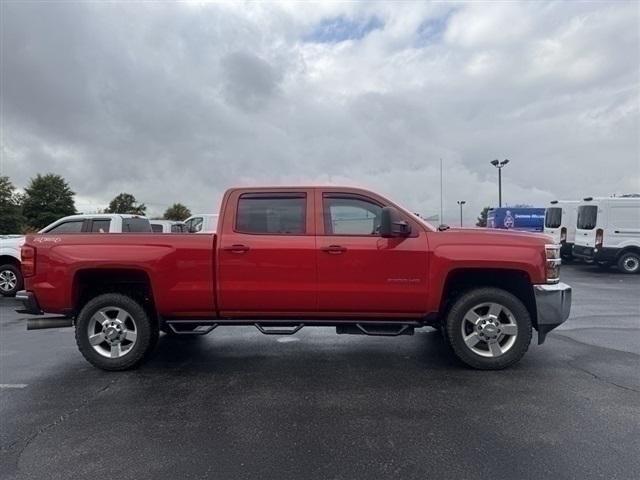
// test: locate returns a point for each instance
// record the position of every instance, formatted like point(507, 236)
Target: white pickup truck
point(10, 274)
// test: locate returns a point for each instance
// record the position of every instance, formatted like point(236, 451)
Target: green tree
point(46, 199)
point(177, 212)
point(482, 219)
point(126, 203)
point(11, 220)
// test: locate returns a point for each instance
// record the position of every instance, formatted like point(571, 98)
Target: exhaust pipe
point(49, 322)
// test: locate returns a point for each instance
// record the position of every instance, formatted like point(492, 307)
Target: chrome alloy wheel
point(112, 332)
point(8, 280)
point(489, 329)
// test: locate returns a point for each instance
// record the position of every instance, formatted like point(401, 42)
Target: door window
point(136, 225)
point(74, 226)
point(273, 214)
point(100, 226)
point(351, 216)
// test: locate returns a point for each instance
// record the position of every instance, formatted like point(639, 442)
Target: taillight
point(28, 261)
point(599, 237)
point(552, 262)
point(563, 234)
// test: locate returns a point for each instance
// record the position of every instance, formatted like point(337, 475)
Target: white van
point(560, 223)
point(202, 223)
point(608, 232)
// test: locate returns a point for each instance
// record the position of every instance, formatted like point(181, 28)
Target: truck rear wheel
point(114, 332)
point(489, 328)
point(629, 262)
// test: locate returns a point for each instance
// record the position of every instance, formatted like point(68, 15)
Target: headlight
point(552, 261)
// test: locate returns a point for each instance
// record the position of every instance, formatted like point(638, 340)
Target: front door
point(361, 273)
point(266, 257)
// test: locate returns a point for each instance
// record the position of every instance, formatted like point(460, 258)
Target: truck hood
point(490, 236)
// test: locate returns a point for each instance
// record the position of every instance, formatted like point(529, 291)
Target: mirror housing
point(392, 224)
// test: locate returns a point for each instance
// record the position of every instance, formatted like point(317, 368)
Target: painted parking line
point(12, 385)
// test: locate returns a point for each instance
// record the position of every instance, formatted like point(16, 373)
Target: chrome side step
point(187, 327)
point(376, 330)
point(271, 330)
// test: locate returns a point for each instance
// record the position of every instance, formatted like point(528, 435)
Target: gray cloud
point(176, 102)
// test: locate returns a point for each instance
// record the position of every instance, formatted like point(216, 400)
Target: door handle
point(236, 248)
point(334, 249)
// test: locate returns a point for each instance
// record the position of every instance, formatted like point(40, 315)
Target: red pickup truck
point(291, 257)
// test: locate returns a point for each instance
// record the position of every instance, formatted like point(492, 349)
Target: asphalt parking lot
point(237, 404)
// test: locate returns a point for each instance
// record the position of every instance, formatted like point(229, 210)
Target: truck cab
point(560, 224)
point(608, 232)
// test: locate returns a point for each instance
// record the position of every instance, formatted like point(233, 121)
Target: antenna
point(441, 216)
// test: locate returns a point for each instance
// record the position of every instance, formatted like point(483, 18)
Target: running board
point(186, 327)
point(270, 330)
point(375, 330)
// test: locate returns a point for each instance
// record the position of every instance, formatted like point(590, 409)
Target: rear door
point(266, 255)
point(359, 272)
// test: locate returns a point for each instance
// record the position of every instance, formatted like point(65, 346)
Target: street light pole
point(499, 165)
point(461, 203)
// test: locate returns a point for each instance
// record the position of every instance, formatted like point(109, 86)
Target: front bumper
point(553, 304)
point(591, 254)
point(29, 302)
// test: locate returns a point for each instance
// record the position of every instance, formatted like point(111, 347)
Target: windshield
point(553, 217)
point(587, 217)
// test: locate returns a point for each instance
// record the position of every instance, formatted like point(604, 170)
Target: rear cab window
point(272, 213)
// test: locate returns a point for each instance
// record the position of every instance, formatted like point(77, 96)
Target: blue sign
point(527, 219)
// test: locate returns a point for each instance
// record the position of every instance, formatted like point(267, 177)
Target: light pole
point(461, 203)
point(499, 165)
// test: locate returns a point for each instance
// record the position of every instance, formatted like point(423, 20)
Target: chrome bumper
point(553, 304)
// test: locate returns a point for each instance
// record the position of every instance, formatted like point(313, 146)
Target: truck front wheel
point(114, 332)
point(488, 328)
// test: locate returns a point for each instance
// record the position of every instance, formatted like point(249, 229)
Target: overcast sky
point(177, 102)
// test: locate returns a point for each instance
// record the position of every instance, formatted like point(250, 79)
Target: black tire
point(629, 262)
point(146, 329)
point(473, 298)
point(8, 271)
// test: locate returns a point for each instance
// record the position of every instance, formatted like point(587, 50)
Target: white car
point(202, 223)
point(560, 223)
point(10, 275)
point(608, 232)
point(167, 226)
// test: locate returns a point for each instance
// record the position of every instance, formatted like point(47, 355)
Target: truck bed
point(181, 266)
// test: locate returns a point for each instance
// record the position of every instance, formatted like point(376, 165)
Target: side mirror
point(392, 224)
